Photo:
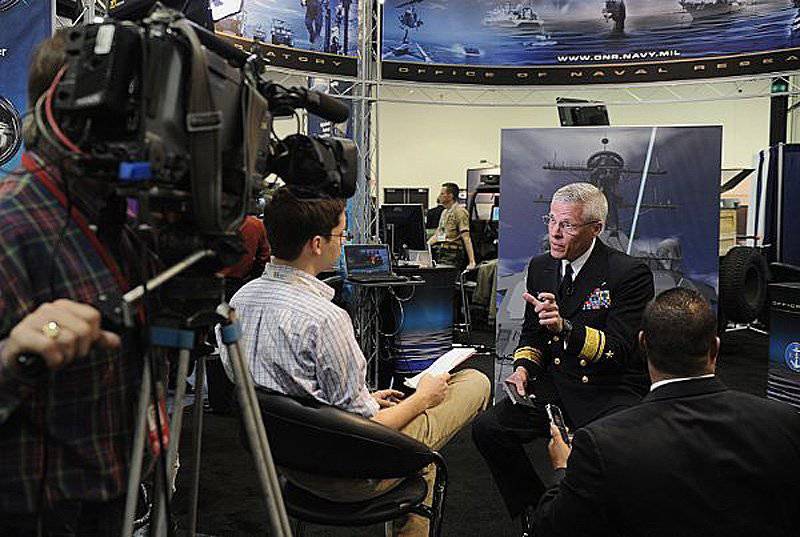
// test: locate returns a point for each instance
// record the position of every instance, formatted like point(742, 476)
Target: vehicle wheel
point(742, 284)
point(722, 321)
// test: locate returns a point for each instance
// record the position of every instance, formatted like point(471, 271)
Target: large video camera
point(173, 116)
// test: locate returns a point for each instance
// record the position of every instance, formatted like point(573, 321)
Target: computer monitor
point(580, 113)
point(403, 227)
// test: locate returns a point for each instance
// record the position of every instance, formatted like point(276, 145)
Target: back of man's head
point(453, 189)
point(291, 221)
point(50, 55)
point(679, 333)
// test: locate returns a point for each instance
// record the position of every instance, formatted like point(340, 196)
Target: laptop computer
point(421, 258)
point(370, 263)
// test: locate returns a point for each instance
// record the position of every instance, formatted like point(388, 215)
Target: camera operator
point(300, 344)
point(64, 429)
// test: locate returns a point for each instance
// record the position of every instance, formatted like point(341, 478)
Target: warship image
point(700, 9)
point(521, 16)
point(281, 33)
point(470, 50)
point(260, 34)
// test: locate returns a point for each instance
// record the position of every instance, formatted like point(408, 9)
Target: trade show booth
point(193, 115)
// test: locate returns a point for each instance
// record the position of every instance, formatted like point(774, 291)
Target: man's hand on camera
point(520, 380)
point(387, 398)
point(59, 332)
point(432, 389)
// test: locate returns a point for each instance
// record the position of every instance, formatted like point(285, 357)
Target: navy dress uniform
point(591, 369)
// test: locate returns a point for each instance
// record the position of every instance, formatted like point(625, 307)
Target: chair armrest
point(319, 439)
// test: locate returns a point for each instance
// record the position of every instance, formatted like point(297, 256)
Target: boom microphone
point(326, 107)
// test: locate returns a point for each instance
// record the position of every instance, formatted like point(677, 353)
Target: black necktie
point(565, 289)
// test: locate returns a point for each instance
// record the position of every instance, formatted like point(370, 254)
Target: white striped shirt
point(298, 342)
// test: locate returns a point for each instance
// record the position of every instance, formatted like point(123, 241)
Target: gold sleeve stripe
point(601, 347)
point(593, 344)
point(528, 353)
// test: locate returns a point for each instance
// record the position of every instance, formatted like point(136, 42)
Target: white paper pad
point(444, 364)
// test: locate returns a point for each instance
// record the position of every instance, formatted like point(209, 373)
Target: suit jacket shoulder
point(694, 458)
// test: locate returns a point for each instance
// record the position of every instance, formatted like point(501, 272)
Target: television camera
point(170, 120)
point(164, 112)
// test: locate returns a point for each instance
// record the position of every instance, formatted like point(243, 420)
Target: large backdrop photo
point(586, 41)
point(662, 186)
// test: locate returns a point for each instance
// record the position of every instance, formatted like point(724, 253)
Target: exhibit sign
point(783, 373)
point(309, 35)
point(24, 24)
point(662, 187)
point(558, 42)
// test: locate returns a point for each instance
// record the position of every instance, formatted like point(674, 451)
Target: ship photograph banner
point(556, 42)
point(309, 35)
point(662, 187)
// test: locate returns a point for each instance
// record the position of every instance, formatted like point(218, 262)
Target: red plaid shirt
point(72, 430)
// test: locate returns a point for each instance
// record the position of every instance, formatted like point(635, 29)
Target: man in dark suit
point(693, 459)
point(578, 342)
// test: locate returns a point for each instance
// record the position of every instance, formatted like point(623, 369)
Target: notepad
point(444, 364)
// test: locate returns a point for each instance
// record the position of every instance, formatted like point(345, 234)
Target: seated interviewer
point(297, 342)
point(692, 459)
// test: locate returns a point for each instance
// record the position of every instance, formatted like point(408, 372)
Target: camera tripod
point(183, 340)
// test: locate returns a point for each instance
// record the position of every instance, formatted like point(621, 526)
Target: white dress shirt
point(297, 342)
point(578, 264)
point(681, 379)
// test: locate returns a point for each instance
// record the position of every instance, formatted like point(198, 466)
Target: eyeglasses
point(566, 227)
point(343, 236)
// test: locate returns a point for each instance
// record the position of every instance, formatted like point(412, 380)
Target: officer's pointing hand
point(547, 309)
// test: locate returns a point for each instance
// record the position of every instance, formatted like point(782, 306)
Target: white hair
point(595, 205)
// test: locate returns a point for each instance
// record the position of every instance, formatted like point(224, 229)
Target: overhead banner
point(662, 187)
point(557, 42)
point(308, 35)
point(24, 24)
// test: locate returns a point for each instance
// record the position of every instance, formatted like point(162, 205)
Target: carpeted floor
point(231, 506)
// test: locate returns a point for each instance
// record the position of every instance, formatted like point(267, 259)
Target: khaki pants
point(468, 394)
point(455, 257)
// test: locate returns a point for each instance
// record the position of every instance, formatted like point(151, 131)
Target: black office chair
point(466, 286)
point(318, 439)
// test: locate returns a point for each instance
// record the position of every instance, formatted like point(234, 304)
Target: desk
point(424, 326)
point(366, 300)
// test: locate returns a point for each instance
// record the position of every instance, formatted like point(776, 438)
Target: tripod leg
point(268, 476)
point(176, 424)
point(137, 452)
point(197, 438)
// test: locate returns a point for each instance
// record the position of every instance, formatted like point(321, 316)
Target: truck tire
point(743, 277)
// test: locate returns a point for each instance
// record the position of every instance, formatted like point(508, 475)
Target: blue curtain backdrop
point(23, 24)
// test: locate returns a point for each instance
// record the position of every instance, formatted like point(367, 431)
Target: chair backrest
point(311, 437)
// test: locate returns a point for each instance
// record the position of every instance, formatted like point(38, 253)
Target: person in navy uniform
point(693, 459)
point(577, 348)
